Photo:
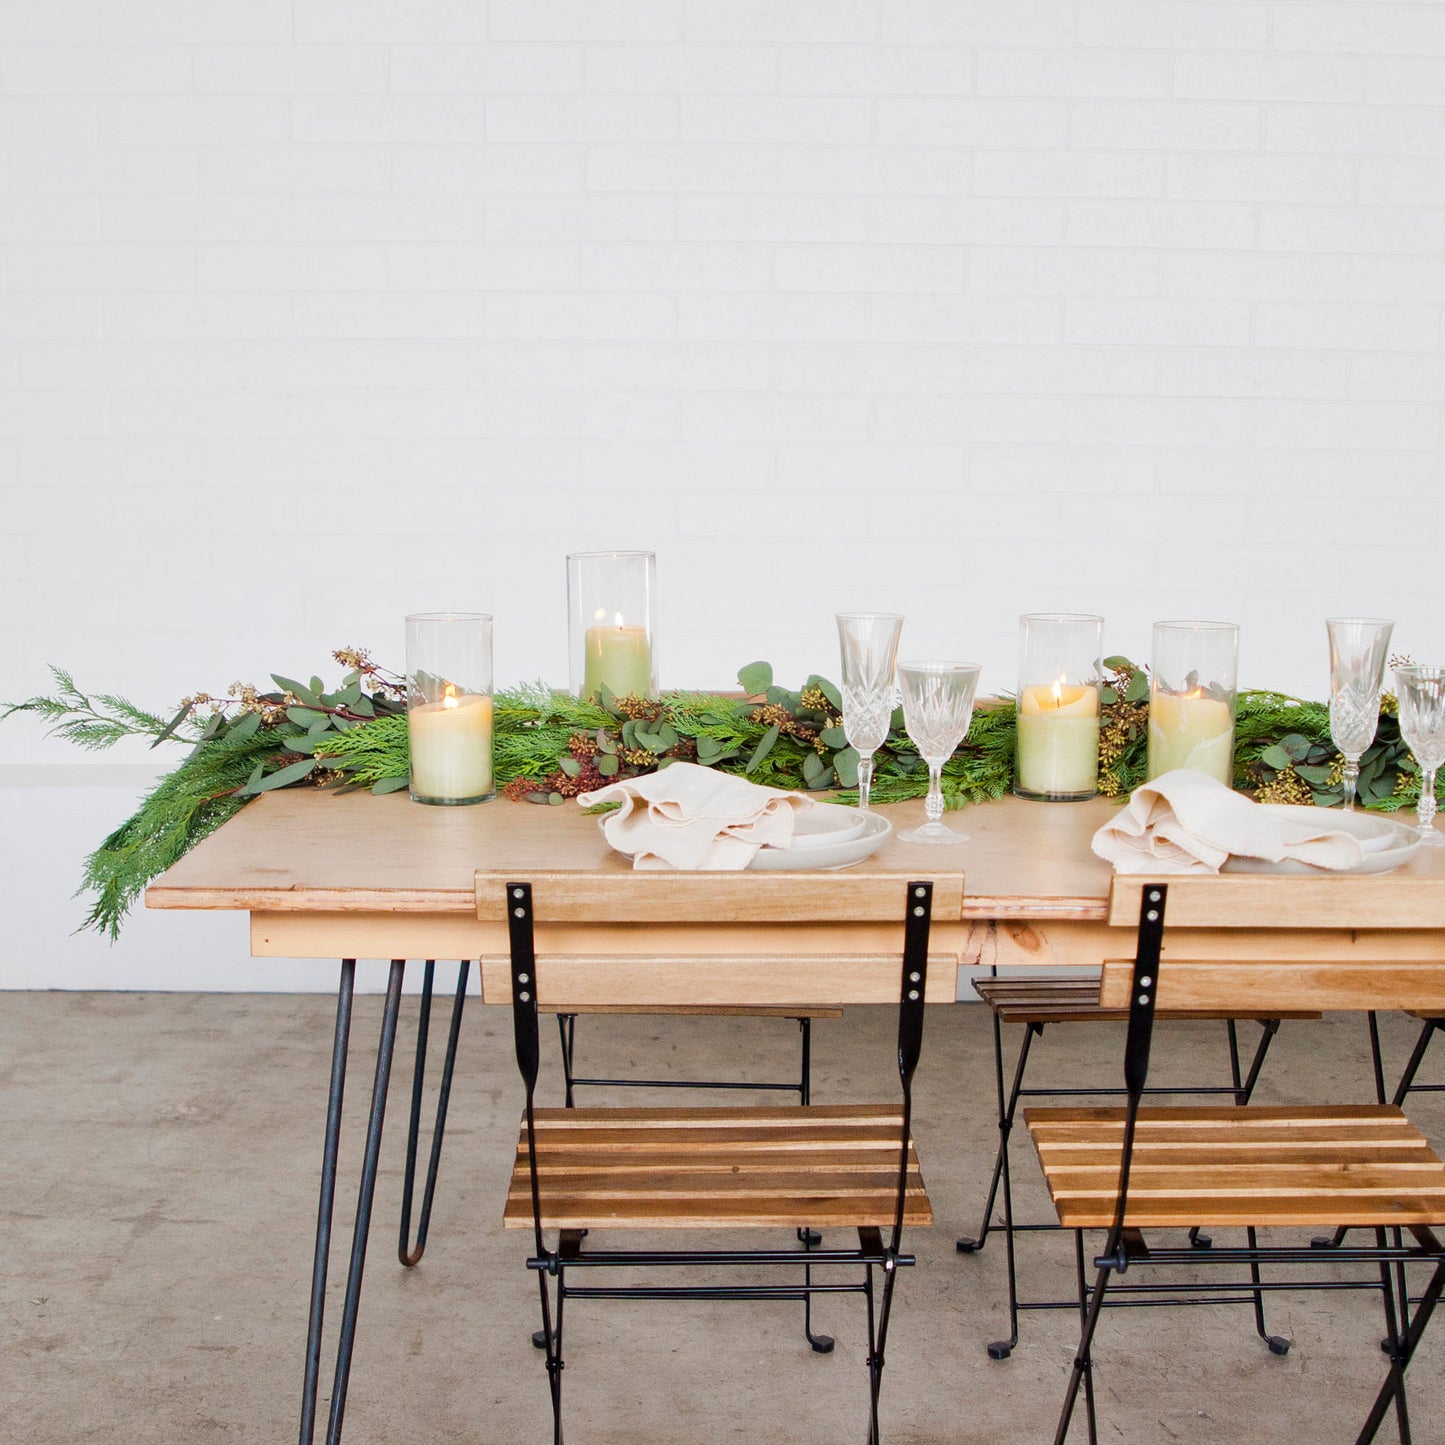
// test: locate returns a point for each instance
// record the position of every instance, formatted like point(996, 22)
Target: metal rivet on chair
point(1145, 982)
point(522, 978)
point(912, 978)
point(524, 995)
point(1153, 915)
point(912, 993)
point(918, 913)
point(1143, 997)
point(519, 912)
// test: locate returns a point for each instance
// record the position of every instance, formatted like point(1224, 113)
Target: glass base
point(1431, 837)
point(452, 802)
point(932, 833)
point(1055, 797)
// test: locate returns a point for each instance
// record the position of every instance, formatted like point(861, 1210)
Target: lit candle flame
point(1058, 692)
point(449, 698)
point(618, 621)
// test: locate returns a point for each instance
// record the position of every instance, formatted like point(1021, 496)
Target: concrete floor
point(158, 1207)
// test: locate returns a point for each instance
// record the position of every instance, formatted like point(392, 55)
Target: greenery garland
point(550, 746)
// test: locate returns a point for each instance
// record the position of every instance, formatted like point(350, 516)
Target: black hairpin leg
point(366, 1192)
point(405, 1251)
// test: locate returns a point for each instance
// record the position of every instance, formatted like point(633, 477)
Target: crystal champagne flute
point(1358, 648)
point(1421, 692)
point(869, 643)
point(937, 709)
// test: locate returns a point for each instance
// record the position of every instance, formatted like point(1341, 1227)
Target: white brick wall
point(315, 312)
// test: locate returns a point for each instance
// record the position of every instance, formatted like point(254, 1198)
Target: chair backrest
point(1265, 942)
point(704, 896)
point(1281, 942)
point(729, 938)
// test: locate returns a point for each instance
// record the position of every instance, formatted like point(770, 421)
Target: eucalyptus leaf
point(606, 743)
point(169, 731)
point(1276, 757)
point(709, 749)
point(1107, 697)
point(835, 698)
point(755, 678)
point(1138, 689)
point(305, 717)
point(764, 747)
point(570, 766)
point(247, 725)
point(781, 697)
point(845, 764)
point(1313, 773)
point(667, 734)
point(363, 707)
point(608, 765)
point(834, 738)
point(389, 785)
point(283, 777)
point(1118, 662)
point(1296, 746)
point(311, 695)
point(813, 768)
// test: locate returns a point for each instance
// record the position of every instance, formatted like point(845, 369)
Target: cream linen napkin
point(691, 817)
point(1187, 822)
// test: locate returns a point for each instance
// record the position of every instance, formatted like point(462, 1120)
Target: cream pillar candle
point(618, 658)
point(1058, 740)
point(1188, 730)
point(451, 748)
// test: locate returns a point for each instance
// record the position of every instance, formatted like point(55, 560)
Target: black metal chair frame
point(567, 1032)
point(1125, 1247)
point(1241, 1088)
point(874, 1252)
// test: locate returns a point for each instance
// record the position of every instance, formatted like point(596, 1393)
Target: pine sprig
point(93, 723)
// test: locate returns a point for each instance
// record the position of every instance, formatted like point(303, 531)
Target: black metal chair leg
point(1083, 1371)
point(1395, 1381)
point(1417, 1057)
point(1278, 1345)
point(823, 1344)
point(1377, 1061)
point(408, 1254)
point(366, 1193)
point(875, 1365)
point(1003, 1175)
point(567, 1032)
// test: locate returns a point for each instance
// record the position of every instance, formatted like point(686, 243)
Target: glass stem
point(865, 779)
point(933, 804)
point(1426, 812)
point(1349, 778)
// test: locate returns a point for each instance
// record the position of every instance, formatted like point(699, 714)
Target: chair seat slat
point(836, 1165)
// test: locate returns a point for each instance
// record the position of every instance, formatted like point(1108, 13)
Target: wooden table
point(354, 876)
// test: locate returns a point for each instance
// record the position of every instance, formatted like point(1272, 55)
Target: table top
point(301, 850)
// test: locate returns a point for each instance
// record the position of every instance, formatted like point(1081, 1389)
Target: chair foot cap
point(968, 1246)
point(822, 1344)
point(1000, 1349)
point(539, 1339)
point(1277, 1345)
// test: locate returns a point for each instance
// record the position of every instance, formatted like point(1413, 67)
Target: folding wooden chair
point(1360, 943)
point(1035, 1003)
point(581, 1171)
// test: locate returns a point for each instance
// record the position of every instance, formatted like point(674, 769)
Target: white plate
point(830, 822)
point(829, 853)
point(1387, 843)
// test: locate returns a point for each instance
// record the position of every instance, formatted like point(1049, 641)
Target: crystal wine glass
point(1358, 647)
point(869, 641)
point(1421, 691)
point(937, 709)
